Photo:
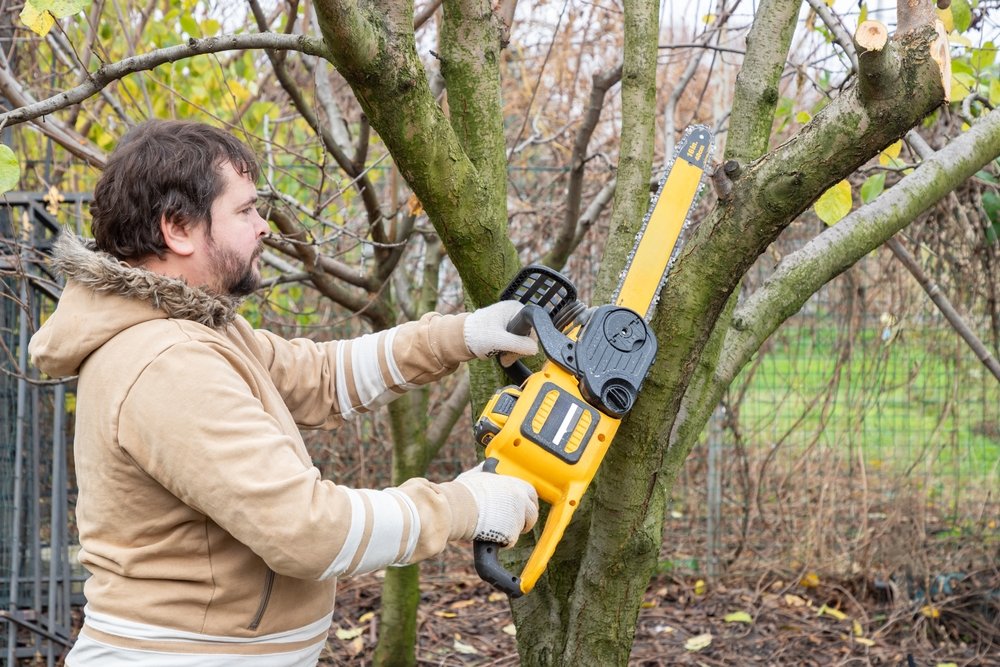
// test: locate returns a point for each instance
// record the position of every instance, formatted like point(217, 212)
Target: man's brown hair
point(162, 168)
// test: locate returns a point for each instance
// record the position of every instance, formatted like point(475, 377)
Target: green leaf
point(961, 86)
point(982, 58)
point(995, 92)
point(60, 8)
point(738, 617)
point(991, 204)
point(803, 117)
point(872, 187)
point(962, 12)
point(864, 13)
point(190, 26)
point(10, 170)
point(835, 203)
point(210, 27)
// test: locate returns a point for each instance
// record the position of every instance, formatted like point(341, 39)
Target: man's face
point(233, 249)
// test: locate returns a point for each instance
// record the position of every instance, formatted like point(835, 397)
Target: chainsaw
point(553, 427)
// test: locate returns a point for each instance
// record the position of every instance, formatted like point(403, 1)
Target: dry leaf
point(497, 596)
point(698, 642)
point(462, 604)
point(462, 647)
point(864, 641)
point(356, 646)
point(509, 629)
point(349, 634)
point(809, 580)
point(794, 600)
point(830, 611)
point(445, 614)
point(738, 617)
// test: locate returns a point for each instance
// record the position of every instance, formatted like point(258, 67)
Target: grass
point(915, 403)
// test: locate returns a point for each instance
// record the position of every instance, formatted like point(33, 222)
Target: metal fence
point(39, 585)
point(864, 437)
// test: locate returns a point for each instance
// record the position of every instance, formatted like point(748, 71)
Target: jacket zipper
point(268, 585)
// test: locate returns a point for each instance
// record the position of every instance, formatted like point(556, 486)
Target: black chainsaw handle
point(487, 562)
point(520, 325)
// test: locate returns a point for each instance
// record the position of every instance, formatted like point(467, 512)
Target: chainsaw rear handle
point(488, 564)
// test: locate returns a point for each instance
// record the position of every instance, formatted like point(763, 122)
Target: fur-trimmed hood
point(104, 296)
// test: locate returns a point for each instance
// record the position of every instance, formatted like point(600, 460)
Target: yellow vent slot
point(544, 409)
point(579, 431)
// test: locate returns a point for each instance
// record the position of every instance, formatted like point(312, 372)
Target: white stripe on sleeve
point(353, 540)
point(409, 506)
point(368, 379)
point(340, 376)
point(387, 532)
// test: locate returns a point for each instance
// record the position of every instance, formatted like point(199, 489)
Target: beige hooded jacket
point(199, 508)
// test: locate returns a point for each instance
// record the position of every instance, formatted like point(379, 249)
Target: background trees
point(416, 156)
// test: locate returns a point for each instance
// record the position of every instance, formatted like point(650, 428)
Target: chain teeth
point(681, 236)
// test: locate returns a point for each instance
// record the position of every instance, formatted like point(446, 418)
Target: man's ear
point(178, 237)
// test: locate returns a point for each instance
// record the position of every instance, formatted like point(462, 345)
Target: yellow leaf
point(462, 604)
point(497, 596)
point(947, 19)
point(349, 634)
point(830, 611)
point(708, 19)
point(809, 580)
point(40, 21)
point(864, 641)
point(700, 587)
point(698, 642)
point(445, 614)
point(891, 152)
point(930, 611)
point(946, 664)
point(858, 630)
point(367, 616)
point(794, 600)
point(509, 629)
point(803, 117)
point(462, 647)
point(647, 604)
point(835, 203)
point(738, 617)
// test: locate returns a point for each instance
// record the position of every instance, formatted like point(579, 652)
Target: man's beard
point(236, 277)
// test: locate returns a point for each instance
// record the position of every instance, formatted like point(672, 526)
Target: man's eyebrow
point(247, 202)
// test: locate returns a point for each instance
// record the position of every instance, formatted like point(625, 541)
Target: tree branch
point(567, 238)
point(803, 272)
point(106, 74)
point(756, 95)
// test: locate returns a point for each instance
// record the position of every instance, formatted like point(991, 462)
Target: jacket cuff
point(448, 332)
point(464, 511)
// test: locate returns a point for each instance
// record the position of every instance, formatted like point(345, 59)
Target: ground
point(770, 620)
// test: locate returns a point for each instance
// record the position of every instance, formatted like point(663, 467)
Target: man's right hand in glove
point(508, 506)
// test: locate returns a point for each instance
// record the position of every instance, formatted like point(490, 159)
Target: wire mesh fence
point(864, 437)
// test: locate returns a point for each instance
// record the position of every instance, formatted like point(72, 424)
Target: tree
point(454, 157)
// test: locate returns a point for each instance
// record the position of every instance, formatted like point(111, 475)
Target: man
point(209, 535)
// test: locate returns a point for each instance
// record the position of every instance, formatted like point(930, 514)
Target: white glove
point(508, 506)
point(486, 333)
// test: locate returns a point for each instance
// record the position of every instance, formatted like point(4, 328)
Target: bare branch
point(147, 61)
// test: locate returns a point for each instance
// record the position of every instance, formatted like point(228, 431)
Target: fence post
point(714, 492)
